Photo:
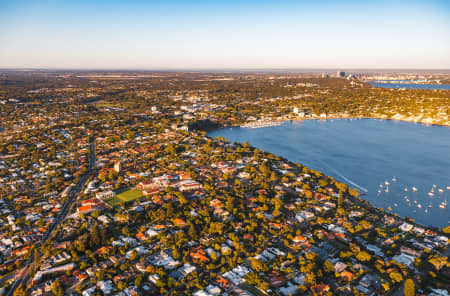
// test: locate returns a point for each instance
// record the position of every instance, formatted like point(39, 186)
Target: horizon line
point(218, 69)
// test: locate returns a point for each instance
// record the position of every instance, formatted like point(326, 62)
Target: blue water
point(365, 153)
point(410, 85)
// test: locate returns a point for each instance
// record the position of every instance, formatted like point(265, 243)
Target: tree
point(446, 230)
point(340, 200)
point(328, 267)
point(133, 255)
point(258, 265)
point(122, 285)
point(363, 256)
point(409, 289)
point(396, 277)
point(192, 233)
point(20, 291)
point(57, 289)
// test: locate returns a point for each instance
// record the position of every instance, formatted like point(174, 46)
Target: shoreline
point(359, 198)
point(332, 117)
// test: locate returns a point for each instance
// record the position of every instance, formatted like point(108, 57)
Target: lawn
point(125, 196)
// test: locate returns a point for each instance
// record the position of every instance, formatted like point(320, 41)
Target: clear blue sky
point(224, 34)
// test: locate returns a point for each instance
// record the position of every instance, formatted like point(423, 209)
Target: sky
point(158, 35)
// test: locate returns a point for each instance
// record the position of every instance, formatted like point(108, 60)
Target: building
point(189, 185)
point(118, 166)
point(105, 194)
point(340, 74)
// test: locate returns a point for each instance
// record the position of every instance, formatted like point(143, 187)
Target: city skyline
point(232, 35)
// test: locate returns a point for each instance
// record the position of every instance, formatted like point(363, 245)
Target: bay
point(367, 153)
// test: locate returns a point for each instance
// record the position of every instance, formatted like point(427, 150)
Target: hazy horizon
point(225, 35)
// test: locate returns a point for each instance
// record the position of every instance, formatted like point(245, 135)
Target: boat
point(415, 201)
point(443, 205)
point(381, 185)
point(414, 189)
point(430, 206)
point(396, 205)
point(419, 206)
point(406, 189)
point(434, 186)
point(440, 190)
point(430, 194)
point(448, 187)
point(379, 191)
point(394, 179)
point(386, 183)
point(387, 190)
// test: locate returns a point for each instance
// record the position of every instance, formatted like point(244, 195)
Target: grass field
point(125, 196)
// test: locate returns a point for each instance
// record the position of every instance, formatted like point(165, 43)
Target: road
point(26, 272)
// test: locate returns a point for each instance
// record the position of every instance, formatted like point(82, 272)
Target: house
point(105, 194)
point(105, 286)
point(406, 227)
point(189, 185)
point(405, 259)
point(347, 275)
point(288, 290)
point(179, 222)
point(89, 292)
point(147, 186)
point(199, 254)
point(410, 251)
point(303, 215)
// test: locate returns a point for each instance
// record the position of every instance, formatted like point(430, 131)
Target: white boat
point(381, 185)
point(386, 183)
point(406, 189)
point(414, 189)
point(419, 206)
point(441, 190)
point(430, 194)
point(434, 186)
point(379, 191)
point(396, 205)
point(448, 187)
point(415, 201)
point(394, 179)
point(443, 205)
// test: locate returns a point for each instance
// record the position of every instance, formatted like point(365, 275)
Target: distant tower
point(117, 166)
point(341, 74)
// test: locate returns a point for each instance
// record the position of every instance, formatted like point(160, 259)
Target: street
point(25, 275)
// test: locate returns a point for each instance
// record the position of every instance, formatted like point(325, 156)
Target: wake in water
point(364, 190)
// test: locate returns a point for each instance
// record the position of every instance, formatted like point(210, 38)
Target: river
point(367, 153)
